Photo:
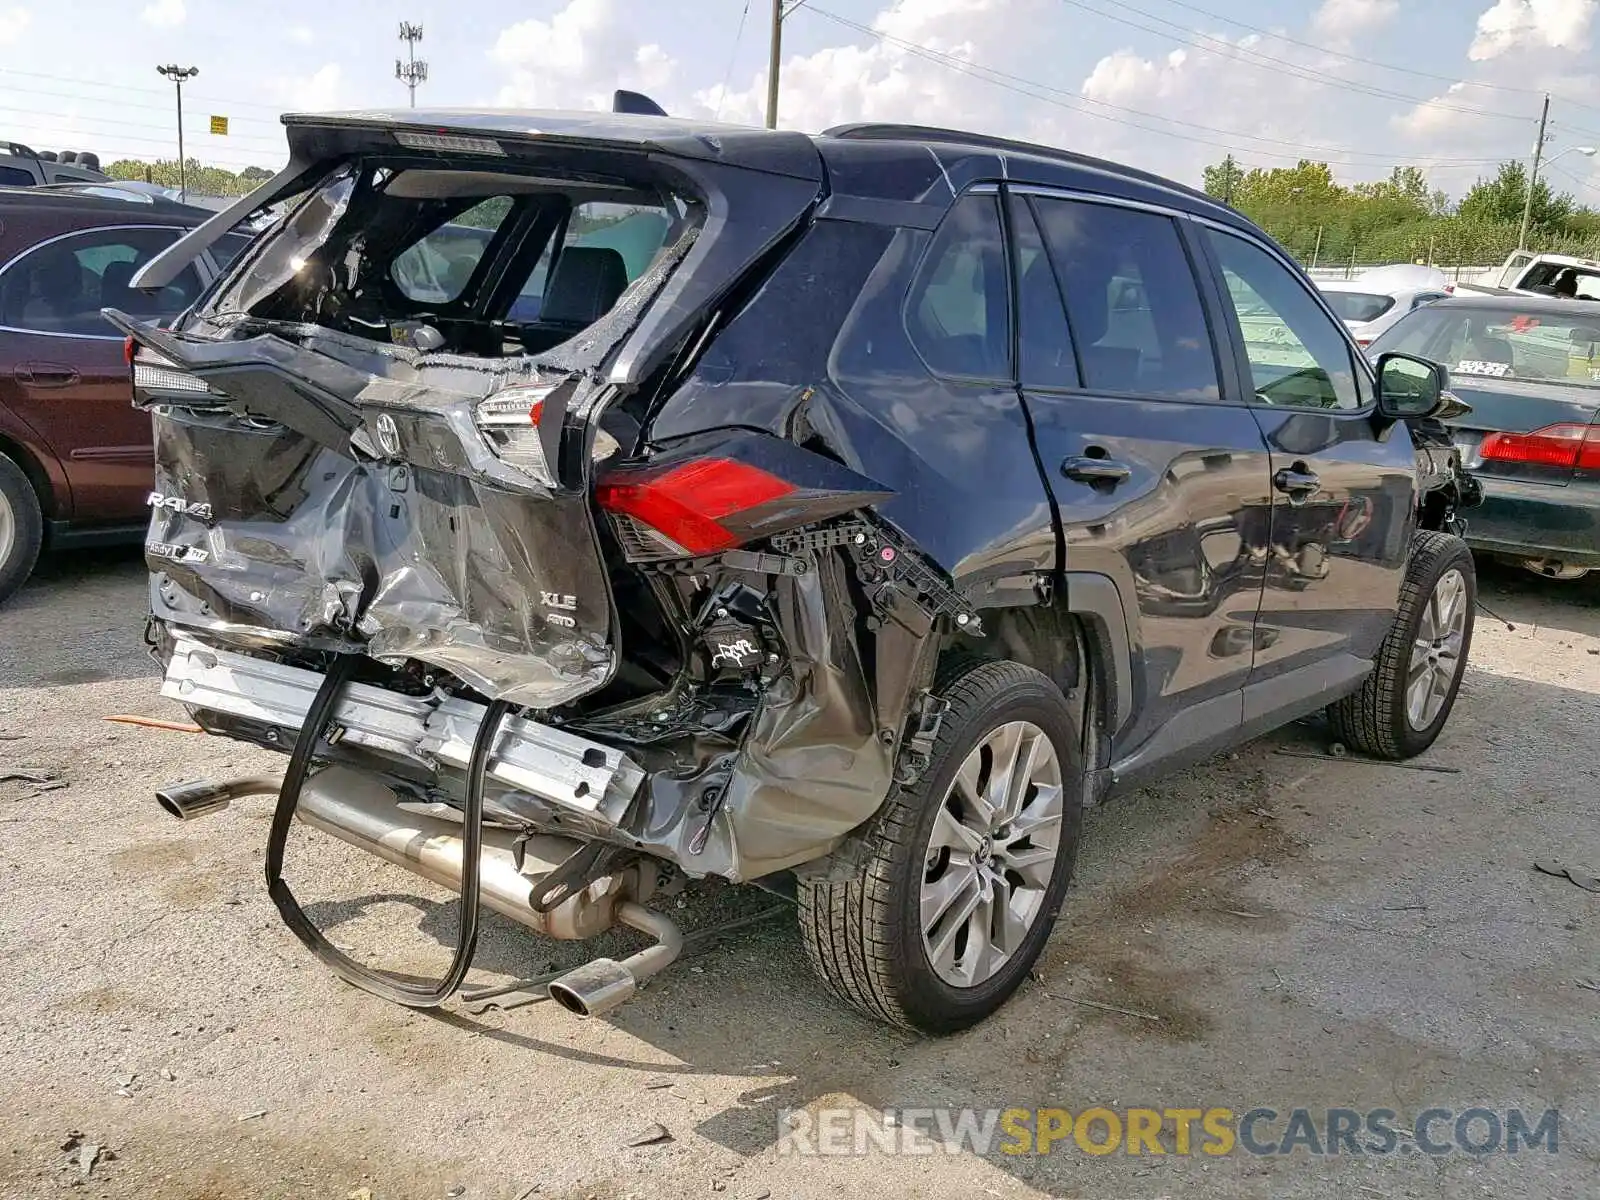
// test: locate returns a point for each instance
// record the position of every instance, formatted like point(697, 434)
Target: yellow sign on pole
point(219, 125)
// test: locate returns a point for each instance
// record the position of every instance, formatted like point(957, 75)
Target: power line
point(722, 92)
point(1368, 62)
point(1583, 183)
point(1226, 49)
point(1007, 81)
point(99, 121)
point(128, 87)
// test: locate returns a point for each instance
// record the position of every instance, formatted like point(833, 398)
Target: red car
point(75, 456)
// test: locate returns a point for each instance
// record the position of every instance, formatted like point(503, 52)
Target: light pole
point(1533, 176)
point(179, 76)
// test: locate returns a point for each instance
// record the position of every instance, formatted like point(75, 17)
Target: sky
point(1452, 86)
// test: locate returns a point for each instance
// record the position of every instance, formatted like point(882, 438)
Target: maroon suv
point(75, 457)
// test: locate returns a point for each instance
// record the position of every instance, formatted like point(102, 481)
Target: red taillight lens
point(1553, 446)
point(690, 503)
point(128, 348)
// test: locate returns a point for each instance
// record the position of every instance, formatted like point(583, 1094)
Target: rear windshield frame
point(1490, 332)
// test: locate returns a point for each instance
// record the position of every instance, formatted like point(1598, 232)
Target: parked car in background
point(22, 166)
point(75, 455)
point(854, 510)
point(1529, 367)
point(1374, 300)
point(1562, 275)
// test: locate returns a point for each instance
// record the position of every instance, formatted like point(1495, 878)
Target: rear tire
point(21, 528)
point(1404, 704)
point(941, 842)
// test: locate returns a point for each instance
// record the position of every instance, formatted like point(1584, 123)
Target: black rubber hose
point(397, 988)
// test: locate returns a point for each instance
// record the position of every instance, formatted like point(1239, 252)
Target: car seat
point(584, 286)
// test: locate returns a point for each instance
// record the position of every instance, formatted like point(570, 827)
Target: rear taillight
point(691, 507)
point(1570, 446)
point(128, 347)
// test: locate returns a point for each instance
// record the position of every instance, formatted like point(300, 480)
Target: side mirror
point(1410, 387)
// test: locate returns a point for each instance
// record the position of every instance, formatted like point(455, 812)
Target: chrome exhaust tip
point(595, 988)
point(198, 798)
point(603, 984)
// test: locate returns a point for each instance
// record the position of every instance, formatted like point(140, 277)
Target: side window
point(436, 268)
point(633, 233)
point(16, 177)
point(1132, 301)
point(958, 311)
point(61, 286)
point(227, 248)
point(1298, 354)
point(1044, 346)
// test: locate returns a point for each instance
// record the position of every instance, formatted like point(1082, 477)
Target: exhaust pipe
point(198, 798)
point(604, 984)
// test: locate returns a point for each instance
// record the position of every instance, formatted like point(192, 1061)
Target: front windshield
point(1358, 306)
point(1503, 342)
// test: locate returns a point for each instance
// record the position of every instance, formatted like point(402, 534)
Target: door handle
point(1296, 482)
point(45, 375)
point(1095, 470)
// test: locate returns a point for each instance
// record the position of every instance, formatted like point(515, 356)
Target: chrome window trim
point(180, 230)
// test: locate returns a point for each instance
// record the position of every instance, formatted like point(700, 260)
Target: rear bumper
point(571, 773)
point(1536, 520)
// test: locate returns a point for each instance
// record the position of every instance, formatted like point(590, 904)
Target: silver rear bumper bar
point(598, 781)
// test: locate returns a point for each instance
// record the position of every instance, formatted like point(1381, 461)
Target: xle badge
point(559, 600)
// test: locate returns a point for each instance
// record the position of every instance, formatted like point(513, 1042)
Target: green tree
point(1500, 201)
point(1222, 178)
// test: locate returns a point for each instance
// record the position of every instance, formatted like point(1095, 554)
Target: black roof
point(1555, 306)
point(93, 198)
point(783, 151)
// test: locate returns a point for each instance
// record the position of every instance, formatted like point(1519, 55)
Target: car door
point(1343, 484)
point(1158, 471)
point(64, 372)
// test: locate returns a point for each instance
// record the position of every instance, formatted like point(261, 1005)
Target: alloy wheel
point(1436, 653)
point(991, 854)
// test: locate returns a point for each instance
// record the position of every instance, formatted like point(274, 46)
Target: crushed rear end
point(408, 522)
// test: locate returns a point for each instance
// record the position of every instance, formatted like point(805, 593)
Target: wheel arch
point(37, 469)
point(1084, 630)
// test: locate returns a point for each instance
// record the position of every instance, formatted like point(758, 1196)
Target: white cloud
point(303, 34)
point(1342, 19)
point(164, 14)
point(321, 91)
point(577, 58)
point(14, 23)
point(1518, 24)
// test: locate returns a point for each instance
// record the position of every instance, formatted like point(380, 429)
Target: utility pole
point(412, 71)
point(1317, 249)
point(774, 60)
point(180, 75)
point(1533, 176)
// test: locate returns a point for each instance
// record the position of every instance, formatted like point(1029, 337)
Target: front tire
point(21, 528)
point(1404, 704)
point(966, 868)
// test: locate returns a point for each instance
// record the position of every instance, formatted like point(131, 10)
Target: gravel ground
point(1281, 930)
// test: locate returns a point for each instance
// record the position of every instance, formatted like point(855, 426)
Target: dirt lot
point(1282, 931)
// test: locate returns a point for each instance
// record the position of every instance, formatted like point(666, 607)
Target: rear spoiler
point(169, 264)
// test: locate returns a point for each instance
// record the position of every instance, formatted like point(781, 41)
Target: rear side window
point(958, 311)
point(1132, 302)
point(16, 177)
point(227, 248)
point(61, 286)
point(437, 268)
point(1358, 306)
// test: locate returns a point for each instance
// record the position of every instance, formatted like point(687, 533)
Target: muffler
point(604, 984)
point(362, 811)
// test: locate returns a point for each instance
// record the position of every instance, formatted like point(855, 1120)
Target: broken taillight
point(692, 507)
point(1567, 445)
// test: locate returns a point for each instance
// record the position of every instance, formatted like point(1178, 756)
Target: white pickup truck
point(1543, 275)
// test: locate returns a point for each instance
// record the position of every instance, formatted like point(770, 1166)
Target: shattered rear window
point(497, 262)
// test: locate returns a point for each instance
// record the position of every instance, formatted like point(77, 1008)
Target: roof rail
point(21, 151)
point(985, 141)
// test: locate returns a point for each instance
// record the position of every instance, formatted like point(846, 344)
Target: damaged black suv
point(591, 501)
